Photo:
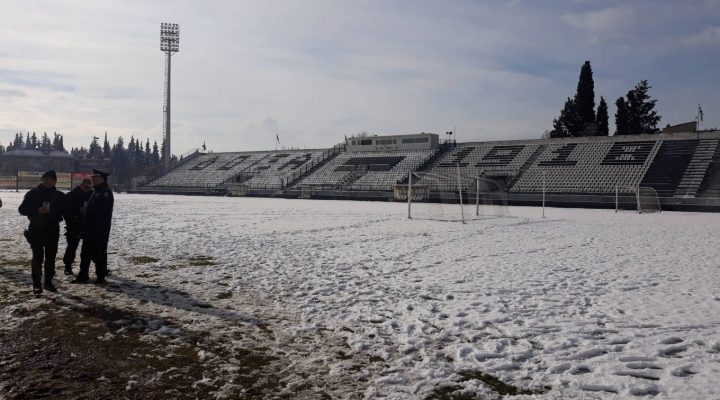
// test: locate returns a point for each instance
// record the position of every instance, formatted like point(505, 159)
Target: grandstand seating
point(272, 171)
point(368, 170)
point(588, 166)
point(258, 170)
point(679, 165)
point(476, 159)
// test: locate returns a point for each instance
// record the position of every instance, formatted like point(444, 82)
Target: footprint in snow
point(580, 370)
point(645, 390)
point(684, 371)
point(672, 351)
point(672, 340)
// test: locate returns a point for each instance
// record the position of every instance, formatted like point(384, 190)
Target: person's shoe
point(80, 280)
point(49, 287)
point(37, 290)
point(100, 281)
point(68, 270)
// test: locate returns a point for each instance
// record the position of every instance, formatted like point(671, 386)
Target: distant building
point(685, 127)
point(421, 141)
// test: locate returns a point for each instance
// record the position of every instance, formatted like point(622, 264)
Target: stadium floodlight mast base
point(169, 43)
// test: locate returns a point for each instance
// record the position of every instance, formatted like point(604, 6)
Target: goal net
point(452, 196)
point(647, 200)
point(643, 199)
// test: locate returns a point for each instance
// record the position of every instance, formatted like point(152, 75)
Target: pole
point(167, 156)
point(616, 198)
point(462, 210)
point(477, 196)
point(544, 187)
point(409, 193)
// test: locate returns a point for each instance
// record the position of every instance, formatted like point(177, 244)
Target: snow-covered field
point(583, 303)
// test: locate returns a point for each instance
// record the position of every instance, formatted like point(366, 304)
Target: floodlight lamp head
point(169, 37)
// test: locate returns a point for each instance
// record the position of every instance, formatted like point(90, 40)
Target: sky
point(310, 72)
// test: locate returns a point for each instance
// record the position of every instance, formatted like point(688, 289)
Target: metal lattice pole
point(169, 43)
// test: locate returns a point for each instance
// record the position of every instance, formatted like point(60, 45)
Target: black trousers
point(95, 251)
point(44, 245)
point(73, 240)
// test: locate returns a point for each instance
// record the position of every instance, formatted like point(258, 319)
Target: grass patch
point(449, 392)
point(201, 261)
point(224, 295)
point(143, 260)
point(14, 262)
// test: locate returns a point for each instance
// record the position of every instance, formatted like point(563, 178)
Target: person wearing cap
point(43, 206)
point(96, 230)
point(74, 213)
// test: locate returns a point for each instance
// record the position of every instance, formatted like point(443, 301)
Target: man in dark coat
point(75, 204)
point(43, 206)
point(96, 230)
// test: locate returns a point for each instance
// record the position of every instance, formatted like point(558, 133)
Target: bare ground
point(68, 346)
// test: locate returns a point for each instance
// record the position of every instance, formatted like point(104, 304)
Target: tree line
point(137, 158)
point(635, 111)
point(35, 143)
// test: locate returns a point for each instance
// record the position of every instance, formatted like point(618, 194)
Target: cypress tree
point(569, 123)
point(148, 153)
point(106, 148)
point(642, 109)
point(622, 123)
point(585, 96)
point(155, 153)
point(601, 119)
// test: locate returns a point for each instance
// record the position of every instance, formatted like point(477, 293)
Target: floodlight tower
point(169, 43)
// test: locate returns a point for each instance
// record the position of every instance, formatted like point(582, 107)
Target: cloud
point(613, 20)
point(710, 36)
point(315, 71)
point(10, 92)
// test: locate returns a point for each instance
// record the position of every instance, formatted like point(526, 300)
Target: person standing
point(43, 206)
point(75, 204)
point(96, 230)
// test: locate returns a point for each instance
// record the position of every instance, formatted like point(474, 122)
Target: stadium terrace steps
point(710, 186)
point(308, 169)
point(698, 168)
point(530, 161)
point(669, 166)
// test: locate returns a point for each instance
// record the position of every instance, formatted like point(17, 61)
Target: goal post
point(644, 199)
point(450, 195)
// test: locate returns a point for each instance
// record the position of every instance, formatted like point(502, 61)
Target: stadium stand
point(257, 170)
point(680, 167)
point(587, 166)
point(498, 159)
point(368, 170)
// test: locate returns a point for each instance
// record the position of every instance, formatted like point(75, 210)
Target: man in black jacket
point(96, 230)
point(75, 204)
point(43, 206)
